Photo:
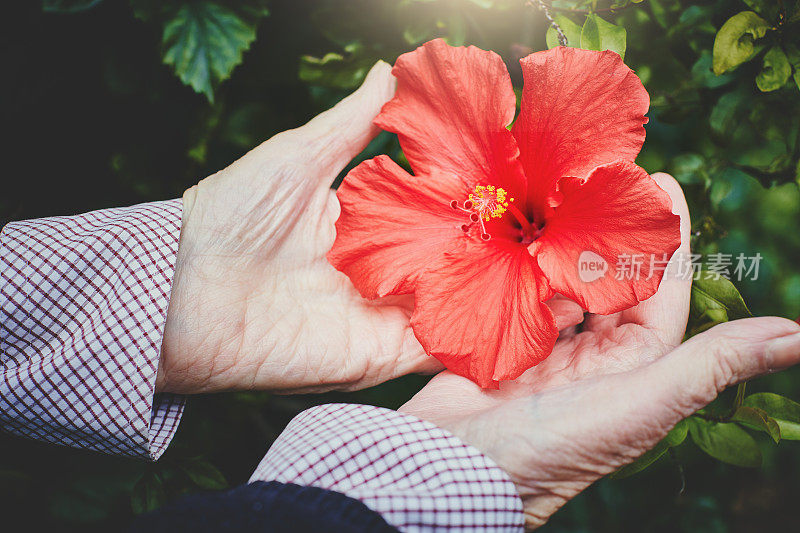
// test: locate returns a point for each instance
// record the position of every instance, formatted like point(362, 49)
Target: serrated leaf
point(204, 474)
point(68, 6)
point(784, 411)
point(148, 494)
point(726, 442)
point(735, 41)
point(204, 41)
point(598, 34)
point(571, 30)
point(758, 419)
point(775, 72)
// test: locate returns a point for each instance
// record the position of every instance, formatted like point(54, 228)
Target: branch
point(585, 11)
point(562, 38)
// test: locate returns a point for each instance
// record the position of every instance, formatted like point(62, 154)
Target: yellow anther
point(489, 201)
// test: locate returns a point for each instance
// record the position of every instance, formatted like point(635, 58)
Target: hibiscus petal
point(618, 213)
point(451, 112)
point(392, 225)
point(480, 311)
point(580, 109)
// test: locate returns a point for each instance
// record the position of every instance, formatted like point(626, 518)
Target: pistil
point(488, 202)
point(527, 227)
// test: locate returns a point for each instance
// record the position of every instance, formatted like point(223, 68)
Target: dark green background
point(93, 119)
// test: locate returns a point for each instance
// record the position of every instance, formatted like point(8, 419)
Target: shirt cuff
point(83, 304)
point(416, 475)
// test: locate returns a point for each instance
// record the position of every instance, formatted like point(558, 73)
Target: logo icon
point(591, 267)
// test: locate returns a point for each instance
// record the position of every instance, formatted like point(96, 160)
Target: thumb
point(313, 154)
point(333, 138)
point(692, 375)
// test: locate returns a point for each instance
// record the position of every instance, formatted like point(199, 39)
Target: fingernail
point(784, 352)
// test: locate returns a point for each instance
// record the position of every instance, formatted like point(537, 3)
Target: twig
point(681, 472)
point(562, 38)
point(587, 11)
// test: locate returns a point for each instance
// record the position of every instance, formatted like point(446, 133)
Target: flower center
point(482, 205)
point(488, 202)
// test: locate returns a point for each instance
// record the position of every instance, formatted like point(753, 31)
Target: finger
point(333, 138)
point(311, 156)
point(667, 311)
point(567, 313)
point(692, 375)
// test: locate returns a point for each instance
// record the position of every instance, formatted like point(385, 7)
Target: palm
point(575, 408)
point(331, 336)
point(255, 302)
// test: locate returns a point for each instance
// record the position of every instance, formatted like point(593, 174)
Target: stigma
point(482, 205)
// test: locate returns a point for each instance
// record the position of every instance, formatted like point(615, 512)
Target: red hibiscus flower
point(493, 221)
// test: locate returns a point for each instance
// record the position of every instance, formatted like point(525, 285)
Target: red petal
point(392, 225)
point(580, 109)
point(619, 210)
point(480, 311)
point(450, 112)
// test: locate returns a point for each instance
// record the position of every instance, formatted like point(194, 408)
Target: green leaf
point(735, 41)
point(726, 442)
point(758, 419)
point(783, 410)
point(714, 301)
point(597, 34)
point(793, 55)
point(204, 41)
point(648, 458)
point(677, 435)
point(337, 70)
point(419, 30)
point(767, 8)
point(674, 438)
point(571, 30)
point(776, 70)
point(204, 474)
point(795, 16)
point(68, 6)
point(687, 168)
point(703, 74)
point(726, 112)
point(148, 494)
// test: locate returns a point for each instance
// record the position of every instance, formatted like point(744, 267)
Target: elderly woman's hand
point(255, 304)
point(607, 393)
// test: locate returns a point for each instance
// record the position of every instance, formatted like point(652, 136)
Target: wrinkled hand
point(255, 303)
point(608, 393)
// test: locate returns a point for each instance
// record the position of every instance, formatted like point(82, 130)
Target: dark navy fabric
point(265, 507)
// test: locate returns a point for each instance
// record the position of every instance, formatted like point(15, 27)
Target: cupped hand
point(608, 392)
point(255, 303)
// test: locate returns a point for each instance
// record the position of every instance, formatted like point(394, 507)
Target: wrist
point(171, 375)
point(496, 437)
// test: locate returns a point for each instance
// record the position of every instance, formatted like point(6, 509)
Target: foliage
point(104, 112)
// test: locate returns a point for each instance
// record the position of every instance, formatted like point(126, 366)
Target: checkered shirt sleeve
point(83, 303)
point(416, 475)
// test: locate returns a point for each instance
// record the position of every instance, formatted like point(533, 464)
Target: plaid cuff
point(415, 474)
point(83, 303)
